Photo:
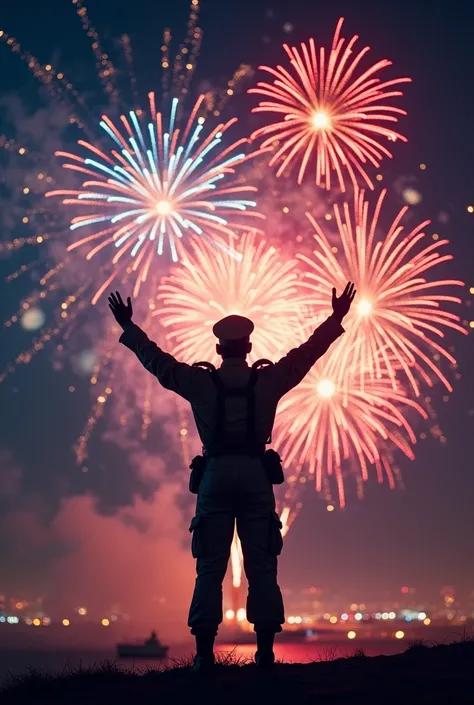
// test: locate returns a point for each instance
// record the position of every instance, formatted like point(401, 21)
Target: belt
point(214, 450)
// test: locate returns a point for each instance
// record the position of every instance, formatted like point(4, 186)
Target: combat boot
point(204, 659)
point(264, 657)
point(203, 665)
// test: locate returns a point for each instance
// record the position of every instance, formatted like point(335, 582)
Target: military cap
point(232, 328)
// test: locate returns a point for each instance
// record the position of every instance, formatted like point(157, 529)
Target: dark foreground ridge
point(422, 675)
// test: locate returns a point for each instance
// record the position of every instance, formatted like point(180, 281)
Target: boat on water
point(151, 648)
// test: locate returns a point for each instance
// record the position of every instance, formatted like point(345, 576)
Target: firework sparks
point(330, 111)
point(334, 415)
point(206, 286)
point(158, 187)
point(398, 315)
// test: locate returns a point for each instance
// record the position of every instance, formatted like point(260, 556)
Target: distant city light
point(36, 622)
point(330, 508)
point(105, 622)
point(291, 620)
point(13, 620)
point(344, 616)
point(351, 635)
point(399, 634)
point(358, 616)
point(391, 615)
point(422, 615)
point(298, 620)
point(241, 614)
point(66, 622)
point(82, 611)
point(427, 621)
point(230, 614)
point(384, 615)
point(333, 619)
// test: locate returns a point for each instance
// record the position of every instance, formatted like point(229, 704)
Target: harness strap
point(222, 394)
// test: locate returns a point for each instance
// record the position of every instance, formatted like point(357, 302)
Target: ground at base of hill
point(421, 675)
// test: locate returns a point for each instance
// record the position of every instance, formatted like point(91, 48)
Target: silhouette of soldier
point(234, 409)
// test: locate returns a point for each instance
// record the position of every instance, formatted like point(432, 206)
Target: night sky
point(422, 536)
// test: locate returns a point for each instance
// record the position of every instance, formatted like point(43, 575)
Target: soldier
point(234, 409)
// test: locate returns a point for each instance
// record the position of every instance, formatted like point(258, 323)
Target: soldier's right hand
point(341, 304)
point(123, 313)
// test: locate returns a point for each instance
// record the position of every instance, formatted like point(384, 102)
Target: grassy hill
point(439, 675)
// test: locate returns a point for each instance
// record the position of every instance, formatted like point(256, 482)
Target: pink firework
point(330, 111)
point(253, 281)
point(336, 419)
point(398, 317)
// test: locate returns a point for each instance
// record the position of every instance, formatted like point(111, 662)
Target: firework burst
point(334, 416)
point(398, 316)
point(206, 286)
point(158, 186)
point(330, 111)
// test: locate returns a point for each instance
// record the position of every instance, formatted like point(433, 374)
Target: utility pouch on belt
point(197, 469)
point(273, 468)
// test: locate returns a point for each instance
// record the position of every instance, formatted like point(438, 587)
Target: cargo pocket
point(276, 539)
point(196, 541)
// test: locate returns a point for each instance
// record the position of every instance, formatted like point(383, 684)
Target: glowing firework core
point(321, 120)
point(163, 207)
point(326, 388)
point(364, 307)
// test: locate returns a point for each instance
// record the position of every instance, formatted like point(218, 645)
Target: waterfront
point(20, 661)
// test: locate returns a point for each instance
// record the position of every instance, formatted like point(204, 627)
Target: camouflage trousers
point(236, 489)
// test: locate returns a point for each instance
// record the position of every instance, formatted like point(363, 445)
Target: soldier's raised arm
point(291, 369)
point(171, 374)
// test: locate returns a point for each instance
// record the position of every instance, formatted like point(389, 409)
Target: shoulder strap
point(261, 363)
point(257, 365)
point(251, 428)
point(205, 365)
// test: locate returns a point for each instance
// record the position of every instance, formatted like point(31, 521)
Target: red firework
point(330, 110)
